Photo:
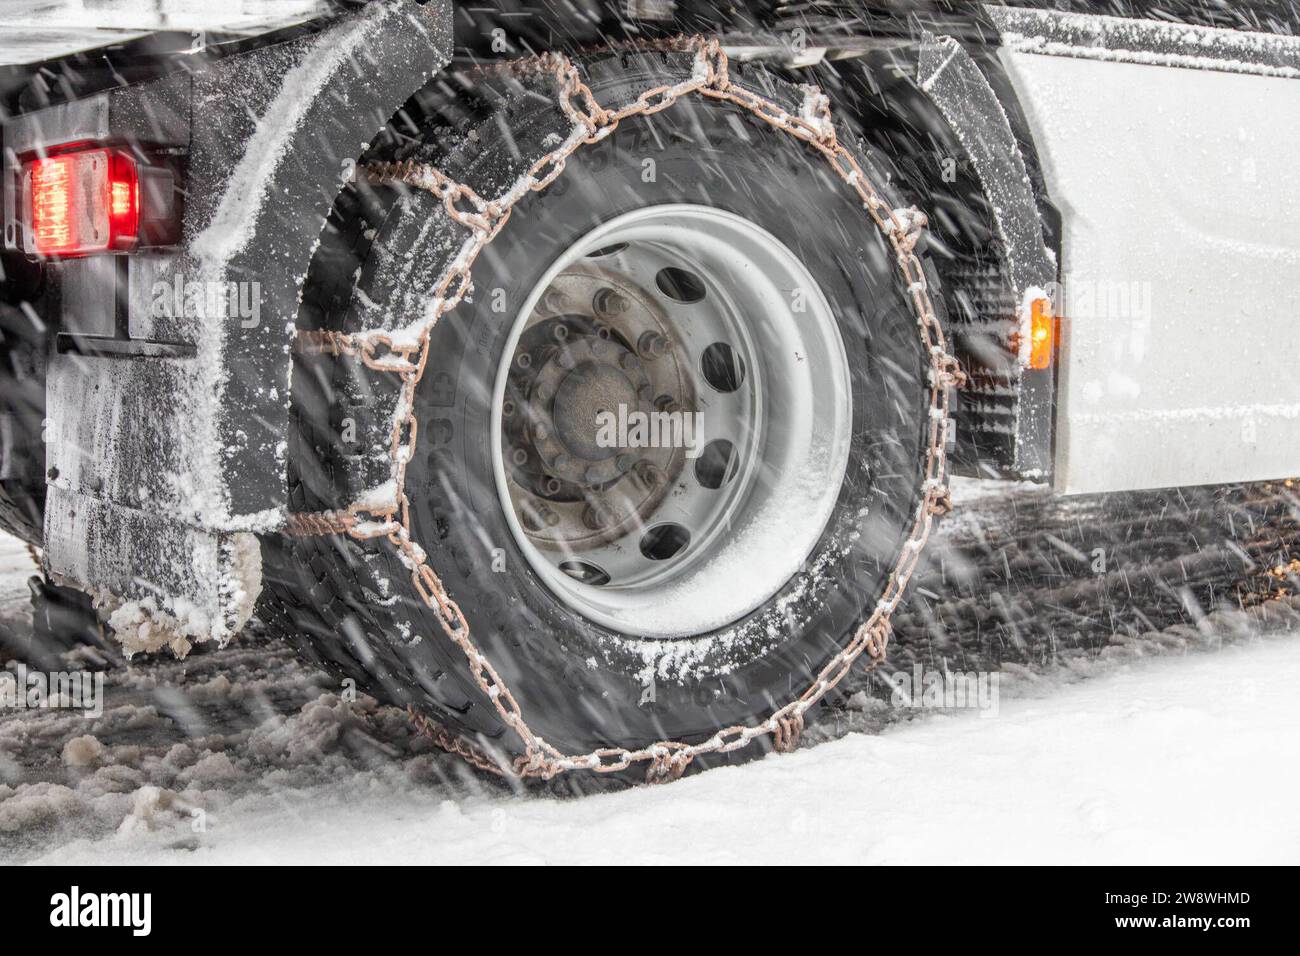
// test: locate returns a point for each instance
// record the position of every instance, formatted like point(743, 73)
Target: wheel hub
point(577, 369)
point(587, 395)
point(665, 421)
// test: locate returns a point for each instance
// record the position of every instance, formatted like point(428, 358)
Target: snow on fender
point(158, 522)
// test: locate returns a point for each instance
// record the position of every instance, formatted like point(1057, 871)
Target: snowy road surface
point(1194, 760)
point(1162, 749)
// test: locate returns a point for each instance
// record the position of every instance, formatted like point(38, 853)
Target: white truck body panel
point(1178, 187)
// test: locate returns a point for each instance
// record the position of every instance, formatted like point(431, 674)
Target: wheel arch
point(942, 111)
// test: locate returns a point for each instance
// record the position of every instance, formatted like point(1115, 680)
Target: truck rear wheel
point(696, 263)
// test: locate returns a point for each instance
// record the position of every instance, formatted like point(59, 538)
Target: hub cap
point(671, 421)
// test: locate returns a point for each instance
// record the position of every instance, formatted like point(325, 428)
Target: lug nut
point(598, 514)
point(534, 515)
point(551, 485)
point(519, 456)
point(610, 302)
point(561, 332)
point(652, 345)
point(629, 362)
point(524, 360)
point(648, 473)
point(529, 516)
point(553, 300)
point(593, 517)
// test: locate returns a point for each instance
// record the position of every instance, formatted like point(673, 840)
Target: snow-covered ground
point(1194, 760)
point(240, 756)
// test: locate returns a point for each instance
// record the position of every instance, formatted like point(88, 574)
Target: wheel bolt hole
point(717, 464)
point(584, 573)
point(680, 285)
point(722, 367)
point(664, 541)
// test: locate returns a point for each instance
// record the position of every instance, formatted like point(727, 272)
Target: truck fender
point(158, 521)
point(949, 75)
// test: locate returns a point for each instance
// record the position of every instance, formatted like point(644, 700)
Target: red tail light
point(89, 201)
point(51, 191)
point(123, 198)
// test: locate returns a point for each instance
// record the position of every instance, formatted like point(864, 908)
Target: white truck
point(586, 377)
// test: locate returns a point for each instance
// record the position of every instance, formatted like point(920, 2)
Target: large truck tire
point(698, 260)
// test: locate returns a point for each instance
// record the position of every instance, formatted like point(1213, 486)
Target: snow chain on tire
point(407, 358)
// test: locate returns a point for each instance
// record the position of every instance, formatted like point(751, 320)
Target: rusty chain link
point(484, 219)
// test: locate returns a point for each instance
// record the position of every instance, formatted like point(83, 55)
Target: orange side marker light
point(1042, 333)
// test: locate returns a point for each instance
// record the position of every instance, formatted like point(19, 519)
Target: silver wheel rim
point(671, 421)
